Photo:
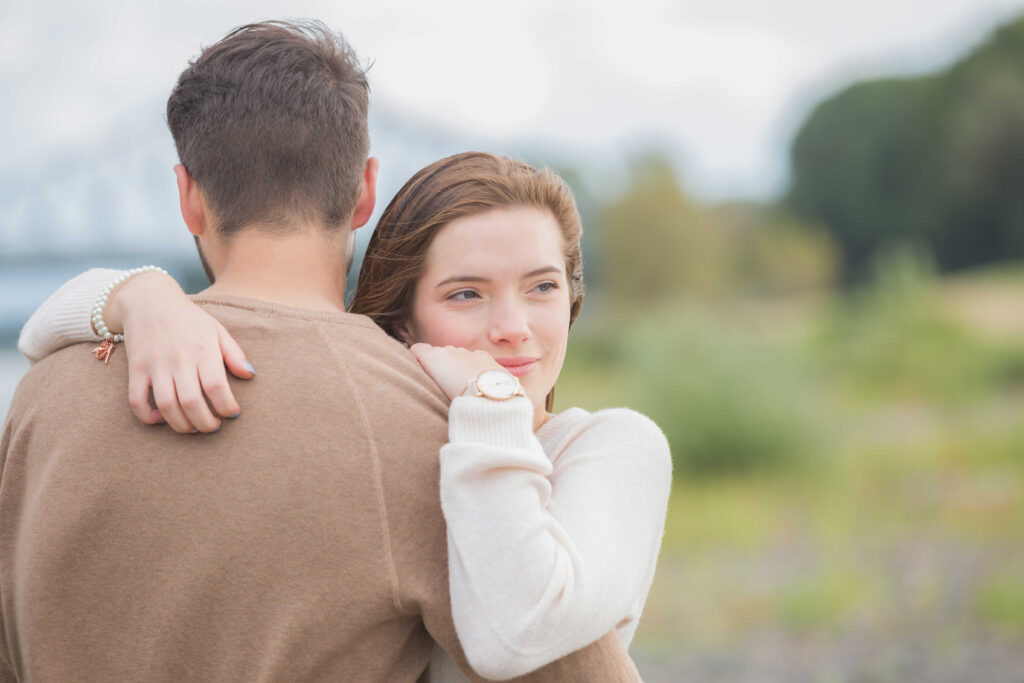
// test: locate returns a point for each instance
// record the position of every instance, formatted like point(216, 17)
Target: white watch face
point(497, 384)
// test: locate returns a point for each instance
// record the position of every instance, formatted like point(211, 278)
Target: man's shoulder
point(299, 333)
point(67, 387)
point(245, 312)
point(71, 368)
point(335, 356)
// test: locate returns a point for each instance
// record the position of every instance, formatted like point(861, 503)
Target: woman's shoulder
point(613, 419)
point(622, 429)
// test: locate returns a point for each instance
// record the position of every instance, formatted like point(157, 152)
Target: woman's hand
point(179, 350)
point(452, 367)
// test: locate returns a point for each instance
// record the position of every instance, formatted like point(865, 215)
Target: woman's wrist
point(504, 424)
point(133, 293)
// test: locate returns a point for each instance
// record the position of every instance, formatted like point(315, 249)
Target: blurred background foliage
point(840, 374)
point(936, 160)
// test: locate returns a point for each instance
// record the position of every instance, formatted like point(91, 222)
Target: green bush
point(1000, 601)
point(893, 340)
point(728, 403)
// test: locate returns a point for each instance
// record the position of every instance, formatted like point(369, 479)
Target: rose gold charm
point(104, 350)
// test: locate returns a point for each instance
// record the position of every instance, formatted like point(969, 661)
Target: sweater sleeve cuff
point(65, 317)
point(503, 424)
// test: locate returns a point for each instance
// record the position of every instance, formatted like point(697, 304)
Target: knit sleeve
point(545, 557)
point(64, 318)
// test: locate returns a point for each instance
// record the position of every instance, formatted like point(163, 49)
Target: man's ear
point(193, 210)
point(367, 194)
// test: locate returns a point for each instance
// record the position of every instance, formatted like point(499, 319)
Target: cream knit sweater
point(553, 535)
point(65, 317)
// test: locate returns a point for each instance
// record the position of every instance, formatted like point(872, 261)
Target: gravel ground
point(919, 623)
point(855, 658)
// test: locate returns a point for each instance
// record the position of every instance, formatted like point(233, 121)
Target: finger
point(138, 398)
point(234, 357)
point(190, 397)
point(166, 399)
point(419, 348)
point(214, 380)
point(426, 356)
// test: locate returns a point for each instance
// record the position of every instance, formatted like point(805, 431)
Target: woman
point(554, 520)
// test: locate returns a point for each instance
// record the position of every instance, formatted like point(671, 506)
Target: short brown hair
point(271, 123)
point(462, 185)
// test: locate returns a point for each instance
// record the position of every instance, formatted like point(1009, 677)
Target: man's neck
point(305, 270)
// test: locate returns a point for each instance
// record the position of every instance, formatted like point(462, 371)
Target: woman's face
point(496, 282)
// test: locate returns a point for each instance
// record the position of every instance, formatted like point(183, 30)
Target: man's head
point(270, 125)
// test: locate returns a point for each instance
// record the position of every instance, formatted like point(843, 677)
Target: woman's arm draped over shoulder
point(543, 559)
point(174, 348)
point(64, 318)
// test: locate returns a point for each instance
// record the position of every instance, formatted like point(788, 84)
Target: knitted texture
point(65, 317)
point(553, 537)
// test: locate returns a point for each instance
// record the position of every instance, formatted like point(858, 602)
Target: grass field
point(849, 497)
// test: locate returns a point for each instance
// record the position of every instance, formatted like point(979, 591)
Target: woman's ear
point(404, 335)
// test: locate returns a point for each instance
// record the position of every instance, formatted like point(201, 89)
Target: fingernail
point(249, 367)
point(235, 416)
point(217, 429)
point(194, 431)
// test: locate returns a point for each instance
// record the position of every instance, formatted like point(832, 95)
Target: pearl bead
point(101, 301)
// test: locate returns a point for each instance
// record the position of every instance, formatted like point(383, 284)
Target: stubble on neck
point(305, 267)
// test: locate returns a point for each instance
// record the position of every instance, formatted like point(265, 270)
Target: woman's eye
point(546, 287)
point(463, 295)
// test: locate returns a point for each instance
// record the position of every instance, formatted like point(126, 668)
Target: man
point(304, 542)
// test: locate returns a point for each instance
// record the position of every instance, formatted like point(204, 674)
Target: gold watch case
point(496, 385)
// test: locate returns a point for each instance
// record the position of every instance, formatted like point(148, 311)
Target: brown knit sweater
point(303, 542)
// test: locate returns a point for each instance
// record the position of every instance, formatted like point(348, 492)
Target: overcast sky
point(720, 84)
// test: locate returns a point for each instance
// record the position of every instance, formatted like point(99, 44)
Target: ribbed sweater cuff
point(65, 318)
point(503, 424)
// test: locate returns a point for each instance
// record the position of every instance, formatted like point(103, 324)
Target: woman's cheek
point(452, 328)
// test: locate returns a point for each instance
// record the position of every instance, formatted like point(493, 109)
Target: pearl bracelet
point(104, 350)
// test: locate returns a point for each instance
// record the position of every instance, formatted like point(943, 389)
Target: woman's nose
point(509, 324)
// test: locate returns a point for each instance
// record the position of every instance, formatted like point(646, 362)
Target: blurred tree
point(856, 169)
point(936, 161)
point(657, 243)
point(985, 159)
point(778, 254)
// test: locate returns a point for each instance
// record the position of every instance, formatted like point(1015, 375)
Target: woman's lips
point(519, 365)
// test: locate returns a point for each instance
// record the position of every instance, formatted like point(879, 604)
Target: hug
point(265, 485)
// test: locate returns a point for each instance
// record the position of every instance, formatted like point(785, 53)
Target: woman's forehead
point(521, 235)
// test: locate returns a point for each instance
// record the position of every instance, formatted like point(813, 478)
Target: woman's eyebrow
point(478, 278)
point(543, 271)
point(460, 278)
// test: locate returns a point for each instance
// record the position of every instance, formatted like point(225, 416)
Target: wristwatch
point(496, 385)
